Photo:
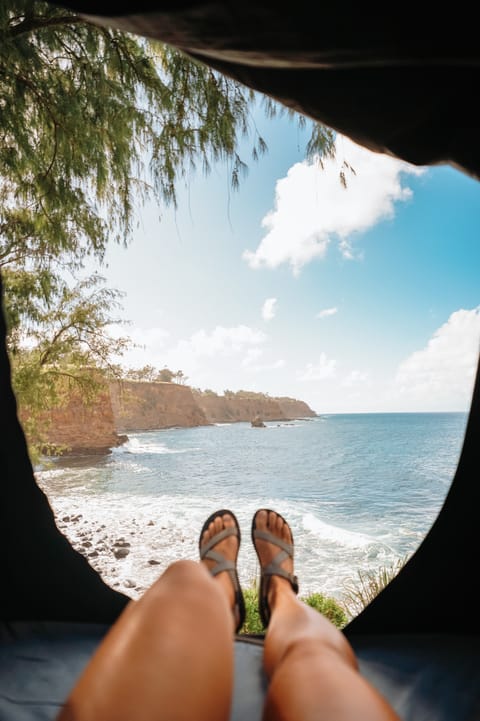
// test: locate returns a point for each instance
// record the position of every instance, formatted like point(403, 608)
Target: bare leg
point(169, 655)
point(312, 668)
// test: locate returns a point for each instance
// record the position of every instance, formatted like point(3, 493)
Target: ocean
point(359, 490)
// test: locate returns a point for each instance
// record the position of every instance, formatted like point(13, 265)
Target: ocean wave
point(335, 534)
point(135, 447)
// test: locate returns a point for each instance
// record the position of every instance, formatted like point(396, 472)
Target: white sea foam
point(136, 447)
point(327, 532)
point(157, 501)
point(165, 528)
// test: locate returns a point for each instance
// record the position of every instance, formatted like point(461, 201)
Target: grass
point(329, 607)
point(366, 585)
point(359, 591)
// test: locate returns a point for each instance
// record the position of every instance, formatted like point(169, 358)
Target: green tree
point(165, 375)
point(147, 373)
point(180, 377)
point(66, 347)
point(94, 121)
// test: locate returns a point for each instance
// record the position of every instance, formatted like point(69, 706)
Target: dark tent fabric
point(42, 576)
point(394, 82)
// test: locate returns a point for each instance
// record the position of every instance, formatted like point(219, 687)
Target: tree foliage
point(65, 348)
point(151, 374)
point(66, 344)
point(94, 122)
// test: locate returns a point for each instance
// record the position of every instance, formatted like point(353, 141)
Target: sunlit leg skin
point(169, 656)
point(312, 668)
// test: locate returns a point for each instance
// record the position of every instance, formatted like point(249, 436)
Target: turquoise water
point(360, 490)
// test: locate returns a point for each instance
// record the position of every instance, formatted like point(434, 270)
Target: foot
point(273, 541)
point(220, 558)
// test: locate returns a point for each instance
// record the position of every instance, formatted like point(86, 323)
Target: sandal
point(273, 568)
point(224, 564)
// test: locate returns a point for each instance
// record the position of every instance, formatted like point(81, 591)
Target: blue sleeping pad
point(424, 677)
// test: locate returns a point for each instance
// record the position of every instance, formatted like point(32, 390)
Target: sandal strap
point(230, 531)
point(274, 568)
point(223, 564)
point(267, 536)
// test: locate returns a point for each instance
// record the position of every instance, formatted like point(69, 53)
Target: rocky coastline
point(131, 406)
point(106, 550)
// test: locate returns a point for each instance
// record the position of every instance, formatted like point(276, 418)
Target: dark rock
point(258, 423)
point(121, 552)
point(153, 562)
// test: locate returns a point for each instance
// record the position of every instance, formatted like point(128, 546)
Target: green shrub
point(329, 607)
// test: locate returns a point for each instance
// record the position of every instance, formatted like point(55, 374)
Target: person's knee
point(190, 589)
point(186, 577)
point(184, 570)
point(177, 575)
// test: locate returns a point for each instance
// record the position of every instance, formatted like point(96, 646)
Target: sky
point(356, 299)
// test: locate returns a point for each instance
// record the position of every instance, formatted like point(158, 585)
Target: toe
point(261, 520)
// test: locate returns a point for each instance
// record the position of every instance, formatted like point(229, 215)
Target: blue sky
point(361, 299)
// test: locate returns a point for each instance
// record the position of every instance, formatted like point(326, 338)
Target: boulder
point(258, 423)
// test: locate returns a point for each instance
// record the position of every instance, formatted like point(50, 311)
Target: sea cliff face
point(78, 427)
point(224, 409)
point(139, 406)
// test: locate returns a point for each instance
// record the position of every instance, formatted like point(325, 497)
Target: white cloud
point(312, 208)
point(355, 378)
point(326, 312)
point(151, 338)
point(149, 346)
point(252, 355)
point(269, 309)
point(204, 355)
point(262, 367)
point(320, 371)
point(221, 341)
point(441, 375)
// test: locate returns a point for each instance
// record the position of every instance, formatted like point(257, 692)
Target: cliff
point(143, 406)
point(293, 408)
point(78, 427)
point(238, 407)
point(140, 406)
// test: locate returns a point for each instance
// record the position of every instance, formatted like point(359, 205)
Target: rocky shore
point(130, 550)
point(97, 427)
point(128, 562)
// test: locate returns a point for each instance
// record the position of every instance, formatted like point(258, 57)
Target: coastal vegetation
point(94, 123)
point(361, 589)
point(325, 605)
point(358, 592)
point(152, 375)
